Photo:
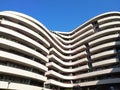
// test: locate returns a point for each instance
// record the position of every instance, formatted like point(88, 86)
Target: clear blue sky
point(61, 15)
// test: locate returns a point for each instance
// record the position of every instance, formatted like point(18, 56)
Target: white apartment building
point(35, 58)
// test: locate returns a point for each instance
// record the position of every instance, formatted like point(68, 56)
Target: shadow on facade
point(108, 81)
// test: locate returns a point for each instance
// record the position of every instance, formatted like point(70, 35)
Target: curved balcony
point(105, 62)
point(87, 33)
point(57, 67)
point(80, 31)
point(103, 54)
point(21, 48)
point(100, 82)
point(22, 60)
point(83, 76)
point(108, 24)
point(57, 83)
point(110, 18)
point(17, 86)
point(112, 37)
point(63, 57)
point(105, 46)
point(56, 59)
point(23, 39)
point(26, 31)
point(22, 73)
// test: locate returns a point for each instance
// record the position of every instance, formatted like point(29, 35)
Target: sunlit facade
point(35, 58)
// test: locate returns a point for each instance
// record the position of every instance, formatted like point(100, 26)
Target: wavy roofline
point(69, 32)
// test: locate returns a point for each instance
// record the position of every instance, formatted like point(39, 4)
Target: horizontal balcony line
point(22, 73)
point(22, 60)
point(54, 58)
point(18, 47)
point(55, 66)
point(83, 76)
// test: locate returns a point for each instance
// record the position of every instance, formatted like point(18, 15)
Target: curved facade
point(34, 58)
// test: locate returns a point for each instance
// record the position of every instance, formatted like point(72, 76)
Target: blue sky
point(61, 15)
